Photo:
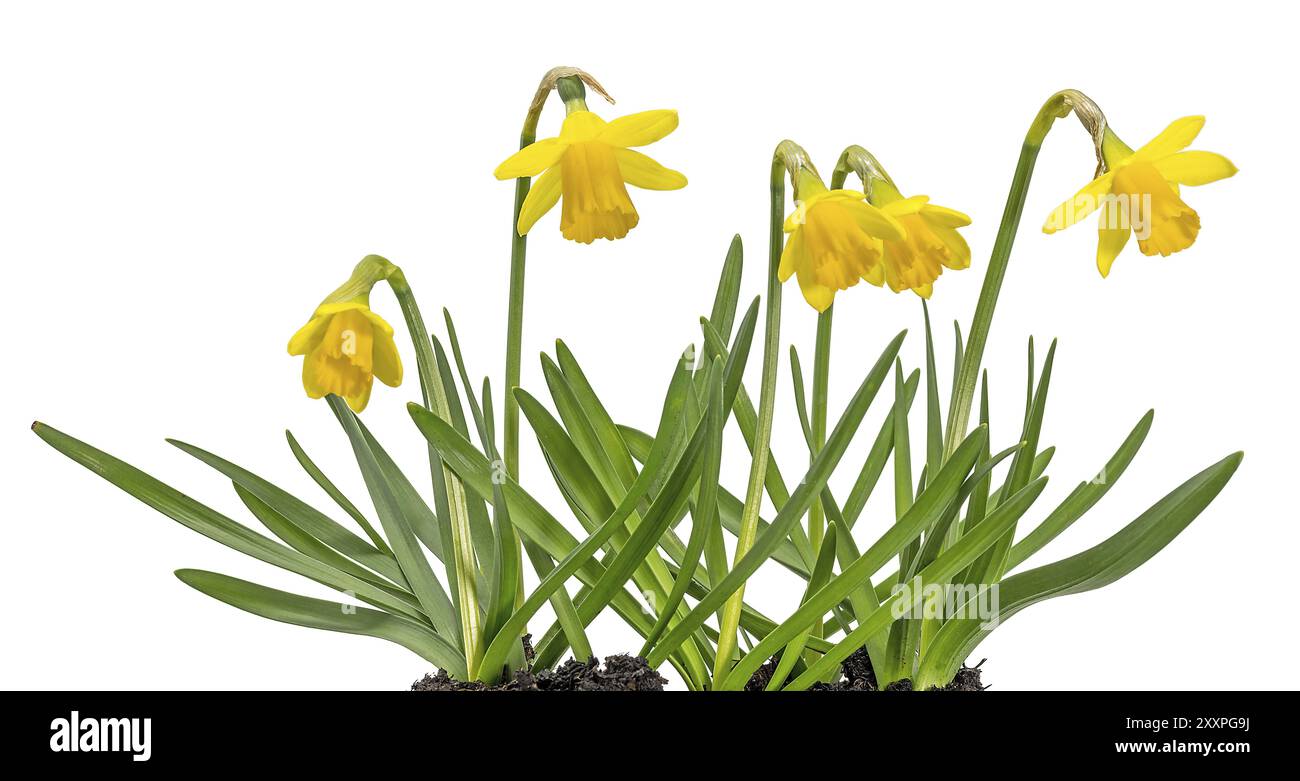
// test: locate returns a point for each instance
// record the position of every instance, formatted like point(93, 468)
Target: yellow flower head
point(347, 346)
point(932, 242)
point(835, 240)
point(589, 164)
point(1139, 193)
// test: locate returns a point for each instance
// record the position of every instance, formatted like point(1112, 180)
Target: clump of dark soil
point(860, 677)
point(620, 673)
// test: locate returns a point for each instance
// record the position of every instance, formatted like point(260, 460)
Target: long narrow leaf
point(1120, 554)
point(199, 517)
point(794, 509)
point(320, 614)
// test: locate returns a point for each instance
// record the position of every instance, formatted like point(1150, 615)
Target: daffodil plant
point(441, 572)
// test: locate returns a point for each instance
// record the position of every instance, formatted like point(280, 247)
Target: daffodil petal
point(791, 256)
point(924, 291)
point(1110, 241)
point(641, 171)
point(948, 218)
point(581, 126)
point(532, 159)
point(1195, 168)
point(312, 382)
point(903, 206)
point(361, 398)
point(542, 197)
point(878, 223)
point(958, 250)
point(388, 364)
point(379, 323)
point(1083, 203)
point(818, 296)
point(1177, 137)
point(639, 129)
point(846, 195)
point(796, 218)
point(307, 337)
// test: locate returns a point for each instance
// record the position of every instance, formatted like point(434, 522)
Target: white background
point(181, 183)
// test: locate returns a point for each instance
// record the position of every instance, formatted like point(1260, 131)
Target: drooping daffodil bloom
point(1139, 194)
point(588, 166)
point(835, 240)
point(932, 242)
point(345, 345)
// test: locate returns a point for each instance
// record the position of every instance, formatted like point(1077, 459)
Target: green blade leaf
point(1118, 555)
point(705, 519)
point(821, 573)
point(304, 543)
point(396, 520)
point(922, 514)
point(1082, 498)
point(480, 538)
point(663, 510)
point(334, 493)
point(933, 421)
point(528, 515)
point(303, 515)
point(993, 565)
point(596, 414)
point(747, 418)
point(788, 516)
point(321, 614)
point(199, 517)
point(800, 396)
point(941, 570)
point(725, 300)
point(480, 421)
point(881, 448)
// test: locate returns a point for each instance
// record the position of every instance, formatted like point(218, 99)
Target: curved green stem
point(515, 311)
point(572, 80)
point(788, 157)
point(569, 83)
point(1056, 107)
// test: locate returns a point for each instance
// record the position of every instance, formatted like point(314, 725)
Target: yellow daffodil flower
point(346, 346)
point(835, 240)
point(1139, 193)
point(589, 165)
point(932, 242)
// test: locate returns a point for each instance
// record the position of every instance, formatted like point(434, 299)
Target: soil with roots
point(858, 676)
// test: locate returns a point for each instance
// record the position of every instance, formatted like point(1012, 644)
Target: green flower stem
point(1056, 107)
point(435, 400)
point(821, 378)
point(788, 157)
point(515, 313)
point(515, 327)
point(569, 83)
point(572, 81)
